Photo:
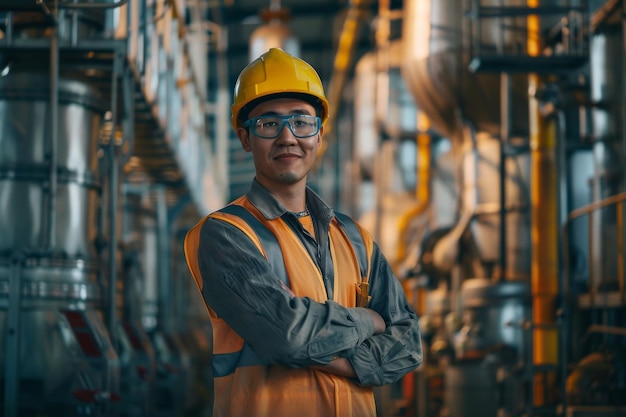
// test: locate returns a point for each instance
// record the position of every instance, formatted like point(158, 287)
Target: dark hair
point(312, 100)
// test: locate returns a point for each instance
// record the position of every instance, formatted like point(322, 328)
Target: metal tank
point(55, 352)
point(491, 348)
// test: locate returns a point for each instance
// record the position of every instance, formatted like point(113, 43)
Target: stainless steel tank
point(489, 349)
point(25, 152)
point(57, 349)
point(494, 316)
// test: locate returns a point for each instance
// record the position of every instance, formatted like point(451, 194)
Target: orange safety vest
point(243, 386)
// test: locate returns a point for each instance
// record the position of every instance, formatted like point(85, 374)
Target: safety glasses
point(271, 126)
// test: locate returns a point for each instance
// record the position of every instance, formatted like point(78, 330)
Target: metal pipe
point(92, 5)
point(563, 312)
point(422, 190)
point(54, 127)
point(581, 211)
point(381, 103)
point(13, 333)
point(163, 251)
point(620, 250)
point(544, 226)
point(505, 126)
point(113, 203)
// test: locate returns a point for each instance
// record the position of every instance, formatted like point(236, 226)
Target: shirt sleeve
point(239, 285)
point(386, 357)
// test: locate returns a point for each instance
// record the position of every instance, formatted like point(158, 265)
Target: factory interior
point(481, 142)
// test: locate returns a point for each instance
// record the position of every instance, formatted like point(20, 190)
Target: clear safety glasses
point(271, 126)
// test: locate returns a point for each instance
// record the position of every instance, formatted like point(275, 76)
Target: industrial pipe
point(544, 227)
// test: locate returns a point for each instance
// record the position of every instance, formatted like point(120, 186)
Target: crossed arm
point(375, 345)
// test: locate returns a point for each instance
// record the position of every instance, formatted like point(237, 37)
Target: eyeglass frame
point(251, 124)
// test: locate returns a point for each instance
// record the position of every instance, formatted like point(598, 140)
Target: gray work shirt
point(240, 286)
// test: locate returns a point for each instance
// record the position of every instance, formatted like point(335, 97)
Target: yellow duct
point(422, 193)
point(422, 190)
point(544, 227)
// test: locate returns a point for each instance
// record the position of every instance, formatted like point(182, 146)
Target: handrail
point(616, 200)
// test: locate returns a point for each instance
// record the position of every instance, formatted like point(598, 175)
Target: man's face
point(284, 160)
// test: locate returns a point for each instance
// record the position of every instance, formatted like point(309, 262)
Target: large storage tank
point(51, 301)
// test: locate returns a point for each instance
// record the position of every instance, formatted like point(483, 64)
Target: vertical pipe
point(164, 287)
point(563, 285)
point(54, 126)
point(544, 227)
point(113, 204)
point(620, 208)
point(222, 123)
point(422, 191)
point(620, 250)
point(11, 375)
point(505, 118)
point(381, 106)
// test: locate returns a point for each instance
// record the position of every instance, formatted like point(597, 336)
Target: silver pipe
point(74, 29)
point(113, 215)
point(93, 5)
point(11, 376)
point(164, 288)
point(54, 134)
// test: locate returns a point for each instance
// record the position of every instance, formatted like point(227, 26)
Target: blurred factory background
point(482, 142)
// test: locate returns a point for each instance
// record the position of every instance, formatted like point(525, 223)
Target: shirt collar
point(272, 209)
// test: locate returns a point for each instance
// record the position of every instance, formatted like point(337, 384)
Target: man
point(307, 315)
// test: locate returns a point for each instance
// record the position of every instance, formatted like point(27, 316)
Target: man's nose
point(286, 136)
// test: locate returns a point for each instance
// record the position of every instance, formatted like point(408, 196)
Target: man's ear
point(244, 138)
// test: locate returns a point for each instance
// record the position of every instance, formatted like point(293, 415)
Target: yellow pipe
point(422, 192)
point(343, 58)
point(544, 227)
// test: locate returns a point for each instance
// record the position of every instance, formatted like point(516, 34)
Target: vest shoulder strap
point(354, 234)
point(267, 238)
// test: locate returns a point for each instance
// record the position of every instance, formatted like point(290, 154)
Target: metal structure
point(86, 91)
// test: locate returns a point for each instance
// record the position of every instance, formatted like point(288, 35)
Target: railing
point(617, 201)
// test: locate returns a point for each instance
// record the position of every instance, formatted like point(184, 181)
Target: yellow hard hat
point(278, 73)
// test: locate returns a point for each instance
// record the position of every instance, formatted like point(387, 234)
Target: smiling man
point(307, 315)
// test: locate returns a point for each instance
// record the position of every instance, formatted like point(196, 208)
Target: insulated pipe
point(544, 226)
